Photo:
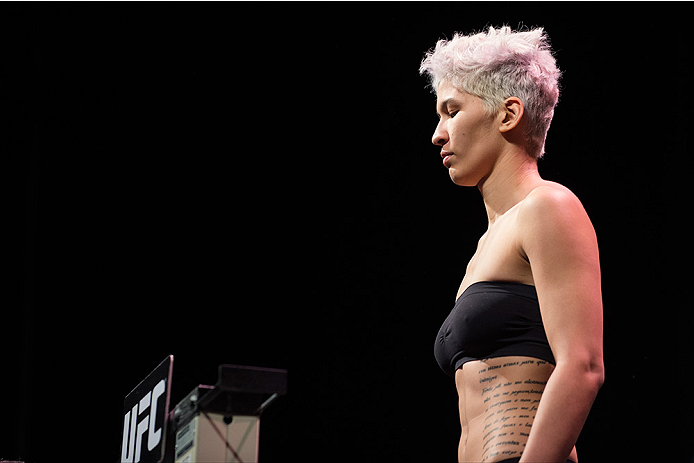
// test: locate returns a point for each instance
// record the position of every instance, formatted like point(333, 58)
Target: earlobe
point(513, 111)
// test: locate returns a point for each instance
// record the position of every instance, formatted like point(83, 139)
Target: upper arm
point(560, 244)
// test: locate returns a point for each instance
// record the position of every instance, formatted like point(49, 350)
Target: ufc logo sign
point(145, 412)
point(134, 431)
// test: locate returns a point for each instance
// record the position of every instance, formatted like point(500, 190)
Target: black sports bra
point(492, 319)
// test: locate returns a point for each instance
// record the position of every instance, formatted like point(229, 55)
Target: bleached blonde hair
point(499, 64)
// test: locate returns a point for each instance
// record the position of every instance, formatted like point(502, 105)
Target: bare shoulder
point(553, 215)
point(551, 195)
point(550, 202)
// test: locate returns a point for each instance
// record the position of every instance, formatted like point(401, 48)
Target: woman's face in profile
point(467, 135)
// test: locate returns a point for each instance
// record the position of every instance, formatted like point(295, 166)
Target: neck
point(513, 177)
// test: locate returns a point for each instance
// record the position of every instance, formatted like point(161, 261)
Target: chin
point(461, 179)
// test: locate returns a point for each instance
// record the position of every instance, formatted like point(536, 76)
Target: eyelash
point(452, 114)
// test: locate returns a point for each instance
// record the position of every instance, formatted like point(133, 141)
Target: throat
point(508, 184)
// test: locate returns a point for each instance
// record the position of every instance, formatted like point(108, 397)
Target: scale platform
point(211, 424)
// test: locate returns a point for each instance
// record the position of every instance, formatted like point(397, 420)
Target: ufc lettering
point(134, 430)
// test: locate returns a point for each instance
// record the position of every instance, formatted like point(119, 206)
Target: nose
point(440, 136)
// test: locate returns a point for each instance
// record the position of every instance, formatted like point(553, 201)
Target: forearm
point(563, 410)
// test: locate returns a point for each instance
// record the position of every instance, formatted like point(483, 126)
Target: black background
point(255, 184)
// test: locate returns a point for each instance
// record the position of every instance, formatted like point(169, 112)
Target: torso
point(498, 397)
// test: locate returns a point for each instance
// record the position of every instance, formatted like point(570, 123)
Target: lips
point(446, 155)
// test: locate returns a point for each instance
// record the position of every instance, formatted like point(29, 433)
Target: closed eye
point(448, 107)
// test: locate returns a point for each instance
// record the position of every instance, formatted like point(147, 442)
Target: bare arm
point(560, 244)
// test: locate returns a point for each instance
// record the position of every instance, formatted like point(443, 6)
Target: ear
point(512, 111)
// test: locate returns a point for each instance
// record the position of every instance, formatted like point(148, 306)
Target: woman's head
point(499, 64)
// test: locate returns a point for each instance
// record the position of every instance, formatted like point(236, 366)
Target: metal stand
point(221, 423)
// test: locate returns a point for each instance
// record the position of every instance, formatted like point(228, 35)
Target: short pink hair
point(499, 64)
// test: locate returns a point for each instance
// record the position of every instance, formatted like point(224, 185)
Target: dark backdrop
point(255, 184)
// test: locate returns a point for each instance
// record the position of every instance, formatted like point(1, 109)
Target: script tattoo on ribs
point(510, 408)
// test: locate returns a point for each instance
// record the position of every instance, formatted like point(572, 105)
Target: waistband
point(516, 460)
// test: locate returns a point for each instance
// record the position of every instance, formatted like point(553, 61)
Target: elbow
point(595, 369)
point(598, 374)
point(602, 378)
point(589, 371)
point(593, 377)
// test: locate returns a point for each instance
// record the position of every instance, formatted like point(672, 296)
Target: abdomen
point(498, 402)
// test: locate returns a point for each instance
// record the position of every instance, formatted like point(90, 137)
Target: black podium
point(211, 424)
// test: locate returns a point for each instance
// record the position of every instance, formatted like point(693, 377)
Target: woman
point(524, 339)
